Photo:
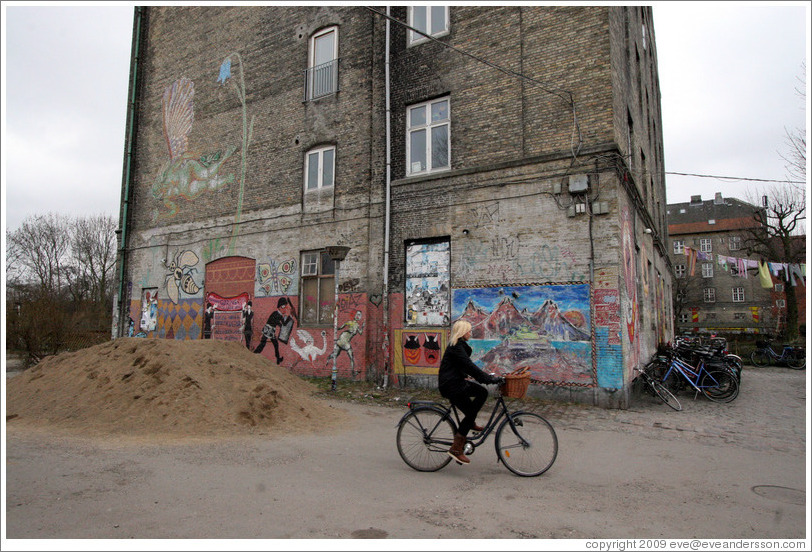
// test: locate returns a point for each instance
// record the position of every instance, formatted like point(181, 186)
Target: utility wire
point(737, 178)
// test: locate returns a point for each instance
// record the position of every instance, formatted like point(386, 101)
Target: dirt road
point(733, 470)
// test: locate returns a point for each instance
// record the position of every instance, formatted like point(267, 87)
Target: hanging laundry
point(690, 253)
point(775, 268)
point(741, 265)
point(795, 270)
point(764, 275)
point(722, 262)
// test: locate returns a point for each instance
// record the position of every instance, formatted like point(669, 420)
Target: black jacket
point(456, 366)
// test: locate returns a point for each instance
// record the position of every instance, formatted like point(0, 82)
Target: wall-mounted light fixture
point(647, 231)
point(465, 232)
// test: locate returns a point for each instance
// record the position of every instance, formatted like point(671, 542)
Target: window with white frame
point(738, 295)
point(707, 270)
point(320, 168)
point(429, 20)
point(706, 245)
point(428, 147)
point(780, 303)
point(734, 243)
point(321, 77)
point(779, 288)
point(317, 288)
point(684, 319)
point(679, 247)
point(679, 271)
point(709, 295)
point(739, 315)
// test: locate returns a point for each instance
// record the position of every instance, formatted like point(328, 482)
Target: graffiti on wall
point(308, 350)
point(149, 310)
point(227, 324)
point(608, 345)
point(276, 277)
point(545, 328)
point(630, 278)
point(419, 351)
point(427, 284)
point(179, 277)
point(278, 328)
point(187, 174)
point(348, 331)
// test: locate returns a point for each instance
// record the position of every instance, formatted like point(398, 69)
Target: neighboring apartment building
point(724, 294)
point(502, 164)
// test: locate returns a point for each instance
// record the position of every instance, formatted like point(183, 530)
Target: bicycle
point(716, 385)
point(794, 357)
point(525, 442)
point(658, 389)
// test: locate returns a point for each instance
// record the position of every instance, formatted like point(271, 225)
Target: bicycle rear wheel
point(531, 448)
point(667, 396)
point(424, 437)
point(797, 359)
point(760, 358)
point(719, 386)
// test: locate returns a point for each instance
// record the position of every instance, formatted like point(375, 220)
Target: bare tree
point(93, 247)
point(42, 246)
point(795, 157)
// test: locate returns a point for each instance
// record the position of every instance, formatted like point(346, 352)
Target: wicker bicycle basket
point(516, 383)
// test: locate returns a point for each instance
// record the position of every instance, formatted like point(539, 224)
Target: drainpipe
point(388, 210)
point(128, 161)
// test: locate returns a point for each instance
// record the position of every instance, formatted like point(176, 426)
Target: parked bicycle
point(794, 357)
point(655, 388)
point(525, 442)
point(712, 351)
point(676, 375)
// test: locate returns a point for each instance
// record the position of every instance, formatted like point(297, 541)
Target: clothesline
point(765, 268)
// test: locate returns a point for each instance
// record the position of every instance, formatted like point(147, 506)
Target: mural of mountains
point(506, 322)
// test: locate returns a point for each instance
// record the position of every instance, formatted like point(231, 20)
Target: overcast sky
point(728, 75)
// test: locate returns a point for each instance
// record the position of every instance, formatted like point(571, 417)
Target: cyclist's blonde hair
point(459, 329)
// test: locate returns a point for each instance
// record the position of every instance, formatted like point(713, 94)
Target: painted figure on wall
point(208, 321)
point(308, 349)
point(179, 277)
point(247, 323)
point(350, 328)
point(187, 174)
point(278, 328)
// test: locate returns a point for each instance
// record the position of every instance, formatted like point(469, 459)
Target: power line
point(737, 178)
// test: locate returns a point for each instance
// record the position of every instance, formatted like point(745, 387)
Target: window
point(684, 319)
point(780, 303)
point(734, 243)
point(710, 316)
point(709, 295)
point(706, 245)
point(431, 20)
point(707, 270)
point(679, 271)
point(321, 77)
point(317, 288)
point(679, 247)
point(428, 147)
point(739, 316)
point(320, 168)
point(738, 295)
point(779, 288)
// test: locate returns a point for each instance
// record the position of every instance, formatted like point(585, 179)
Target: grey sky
point(728, 74)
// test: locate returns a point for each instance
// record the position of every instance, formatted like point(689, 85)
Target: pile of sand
point(138, 387)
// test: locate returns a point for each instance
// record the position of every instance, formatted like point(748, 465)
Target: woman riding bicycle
point(466, 395)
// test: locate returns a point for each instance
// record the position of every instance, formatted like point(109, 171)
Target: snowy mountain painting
point(544, 327)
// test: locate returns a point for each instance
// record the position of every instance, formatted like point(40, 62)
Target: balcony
point(321, 80)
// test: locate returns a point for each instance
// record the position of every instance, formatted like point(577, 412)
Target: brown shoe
point(456, 449)
point(477, 428)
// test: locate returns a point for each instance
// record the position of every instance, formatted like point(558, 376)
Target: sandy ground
point(734, 470)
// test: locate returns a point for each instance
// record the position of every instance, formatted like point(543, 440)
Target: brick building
point(725, 295)
point(502, 164)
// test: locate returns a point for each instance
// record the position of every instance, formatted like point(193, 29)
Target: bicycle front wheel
point(528, 448)
point(719, 386)
point(424, 437)
point(666, 395)
point(760, 358)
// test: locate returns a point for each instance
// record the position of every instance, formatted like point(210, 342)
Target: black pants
point(469, 401)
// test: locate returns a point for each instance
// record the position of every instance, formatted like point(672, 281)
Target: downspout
point(388, 209)
point(128, 161)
